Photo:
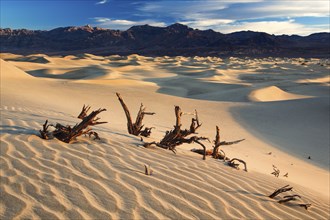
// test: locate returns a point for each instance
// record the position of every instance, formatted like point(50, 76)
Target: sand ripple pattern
point(105, 180)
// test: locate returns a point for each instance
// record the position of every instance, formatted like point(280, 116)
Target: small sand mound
point(10, 71)
point(32, 58)
point(272, 93)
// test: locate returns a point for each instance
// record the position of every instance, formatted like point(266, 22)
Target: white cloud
point(272, 9)
point(124, 24)
point(207, 23)
point(274, 27)
point(247, 9)
point(102, 2)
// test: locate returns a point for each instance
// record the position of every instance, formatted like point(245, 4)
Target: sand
point(278, 105)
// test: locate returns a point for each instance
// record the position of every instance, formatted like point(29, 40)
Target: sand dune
point(272, 93)
point(104, 179)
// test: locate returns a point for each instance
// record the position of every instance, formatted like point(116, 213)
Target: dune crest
point(271, 94)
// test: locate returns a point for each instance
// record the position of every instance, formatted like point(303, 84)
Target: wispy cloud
point(101, 2)
point(124, 24)
point(228, 16)
point(274, 27)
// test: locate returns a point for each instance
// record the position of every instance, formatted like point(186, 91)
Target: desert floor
point(279, 106)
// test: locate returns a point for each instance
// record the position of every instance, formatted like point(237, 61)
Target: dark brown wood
point(135, 128)
point(177, 136)
point(276, 171)
point(306, 206)
point(84, 111)
point(216, 143)
point(44, 133)
point(235, 165)
point(289, 198)
point(280, 190)
point(68, 133)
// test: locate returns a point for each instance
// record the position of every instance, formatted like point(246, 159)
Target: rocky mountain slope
point(176, 39)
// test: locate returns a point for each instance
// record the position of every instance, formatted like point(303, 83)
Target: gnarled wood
point(44, 133)
point(177, 136)
point(289, 198)
point(135, 128)
point(235, 165)
point(68, 133)
point(280, 190)
point(306, 205)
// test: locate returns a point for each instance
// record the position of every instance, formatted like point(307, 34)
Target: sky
point(272, 16)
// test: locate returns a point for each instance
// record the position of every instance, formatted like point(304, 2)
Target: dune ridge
point(105, 179)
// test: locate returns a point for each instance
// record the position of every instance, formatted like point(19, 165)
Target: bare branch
point(281, 190)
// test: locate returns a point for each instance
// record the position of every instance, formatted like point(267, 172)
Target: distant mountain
point(176, 39)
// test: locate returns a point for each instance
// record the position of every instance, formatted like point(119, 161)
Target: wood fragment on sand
point(68, 133)
point(280, 190)
point(147, 170)
point(235, 165)
point(136, 127)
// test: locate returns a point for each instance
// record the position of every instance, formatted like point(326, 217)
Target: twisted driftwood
point(135, 128)
point(280, 190)
point(235, 165)
point(216, 153)
point(177, 136)
point(306, 205)
point(289, 198)
point(68, 133)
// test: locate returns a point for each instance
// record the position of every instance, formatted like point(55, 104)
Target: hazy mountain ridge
point(176, 39)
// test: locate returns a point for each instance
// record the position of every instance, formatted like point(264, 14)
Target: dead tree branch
point(135, 128)
point(306, 206)
point(218, 143)
point(289, 198)
point(177, 136)
point(235, 165)
point(68, 133)
point(44, 133)
point(280, 190)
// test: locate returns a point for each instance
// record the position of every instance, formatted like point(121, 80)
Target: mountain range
point(176, 39)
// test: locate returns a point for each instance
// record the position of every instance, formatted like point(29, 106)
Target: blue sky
point(271, 16)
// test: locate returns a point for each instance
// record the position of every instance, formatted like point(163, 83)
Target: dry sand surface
point(280, 106)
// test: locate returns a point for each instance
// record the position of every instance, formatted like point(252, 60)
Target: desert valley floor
point(280, 106)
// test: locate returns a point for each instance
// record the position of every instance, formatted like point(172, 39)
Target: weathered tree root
point(216, 153)
point(235, 165)
point(280, 190)
point(44, 133)
point(135, 128)
point(177, 136)
point(289, 198)
point(305, 205)
point(68, 133)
